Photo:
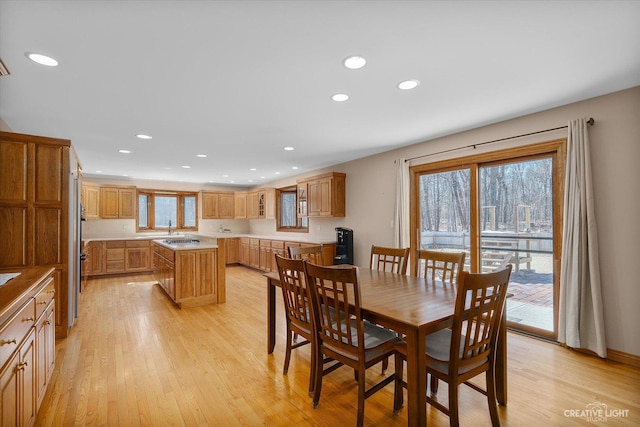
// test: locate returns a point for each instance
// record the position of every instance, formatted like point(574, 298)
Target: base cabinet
point(191, 278)
point(27, 344)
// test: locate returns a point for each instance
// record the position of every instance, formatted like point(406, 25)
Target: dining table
point(414, 307)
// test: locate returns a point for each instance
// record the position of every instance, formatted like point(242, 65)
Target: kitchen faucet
point(170, 232)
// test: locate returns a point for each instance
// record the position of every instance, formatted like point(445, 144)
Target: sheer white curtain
point(401, 222)
point(580, 316)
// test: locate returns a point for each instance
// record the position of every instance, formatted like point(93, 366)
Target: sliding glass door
point(502, 208)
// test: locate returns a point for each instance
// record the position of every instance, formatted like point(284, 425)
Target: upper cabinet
point(117, 202)
point(240, 205)
point(217, 205)
point(267, 203)
point(91, 200)
point(322, 195)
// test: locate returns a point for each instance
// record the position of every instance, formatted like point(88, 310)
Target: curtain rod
point(591, 121)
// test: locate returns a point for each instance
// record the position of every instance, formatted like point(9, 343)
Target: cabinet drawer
point(15, 329)
point(254, 242)
point(44, 297)
point(244, 240)
point(137, 243)
point(277, 244)
point(265, 243)
point(115, 244)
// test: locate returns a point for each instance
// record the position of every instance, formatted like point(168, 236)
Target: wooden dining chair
point(343, 334)
point(467, 349)
point(389, 259)
point(308, 253)
point(297, 304)
point(444, 266)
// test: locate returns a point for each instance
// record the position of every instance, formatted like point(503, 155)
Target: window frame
point(555, 149)
point(302, 223)
point(180, 215)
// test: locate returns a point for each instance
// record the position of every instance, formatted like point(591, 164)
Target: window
point(500, 208)
point(159, 210)
point(287, 211)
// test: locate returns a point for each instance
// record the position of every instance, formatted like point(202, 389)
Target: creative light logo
point(596, 412)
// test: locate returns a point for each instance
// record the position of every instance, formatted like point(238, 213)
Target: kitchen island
point(191, 272)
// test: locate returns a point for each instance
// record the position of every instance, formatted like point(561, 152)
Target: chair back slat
point(479, 310)
point(312, 254)
point(393, 260)
point(439, 265)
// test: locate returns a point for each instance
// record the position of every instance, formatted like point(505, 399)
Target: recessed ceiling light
point(253, 169)
point(186, 167)
point(124, 151)
point(250, 180)
point(294, 167)
point(354, 62)
point(143, 136)
point(201, 155)
point(225, 176)
point(42, 59)
point(277, 173)
point(98, 171)
point(408, 84)
point(340, 97)
point(289, 148)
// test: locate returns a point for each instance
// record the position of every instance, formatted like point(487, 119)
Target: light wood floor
point(133, 359)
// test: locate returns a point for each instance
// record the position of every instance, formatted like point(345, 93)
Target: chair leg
point(385, 365)
point(312, 373)
point(317, 381)
point(433, 386)
point(491, 398)
point(454, 419)
point(398, 396)
point(361, 398)
point(287, 357)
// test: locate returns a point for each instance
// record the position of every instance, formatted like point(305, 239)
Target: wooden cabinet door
point(95, 262)
point(232, 250)
point(252, 205)
point(303, 192)
point(45, 351)
point(324, 194)
point(240, 205)
point(210, 203)
point(13, 173)
point(108, 202)
point(226, 206)
point(9, 392)
point(126, 203)
point(137, 259)
point(313, 198)
point(91, 200)
point(244, 252)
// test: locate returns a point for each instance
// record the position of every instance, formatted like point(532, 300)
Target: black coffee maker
point(344, 246)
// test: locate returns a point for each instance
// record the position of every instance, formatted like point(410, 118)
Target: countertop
point(187, 246)
point(208, 235)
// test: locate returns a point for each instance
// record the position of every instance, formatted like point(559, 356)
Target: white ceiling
point(240, 80)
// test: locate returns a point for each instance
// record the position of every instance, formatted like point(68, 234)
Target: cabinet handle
point(21, 366)
point(29, 319)
point(11, 341)
point(43, 302)
point(47, 322)
point(53, 291)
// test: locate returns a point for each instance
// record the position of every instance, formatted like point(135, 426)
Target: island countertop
point(182, 244)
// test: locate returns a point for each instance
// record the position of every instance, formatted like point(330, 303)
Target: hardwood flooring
point(134, 359)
